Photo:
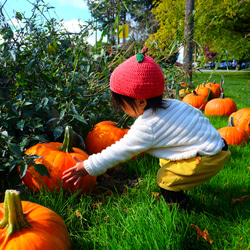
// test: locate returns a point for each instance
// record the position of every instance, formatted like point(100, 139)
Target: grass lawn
point(140, 218)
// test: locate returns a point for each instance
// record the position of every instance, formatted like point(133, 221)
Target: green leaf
point(42, 170)
point(80, 118)
point(15, 149)
point(62, 113)
point(20, 124)
point(31, 64)
point(57, 132)
point(19, 16)
point(44, 101)
point(23, 170)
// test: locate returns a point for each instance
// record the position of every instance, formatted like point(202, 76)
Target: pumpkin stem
point(68, 139)
point(194, 92)
point(222, 95)
point(122, 123)
point(231, 122)
point(14, 218)
point(221, 86)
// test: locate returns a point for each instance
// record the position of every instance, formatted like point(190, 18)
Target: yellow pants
point(188, 173)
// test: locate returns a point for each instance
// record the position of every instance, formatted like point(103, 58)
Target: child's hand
point(75, 173)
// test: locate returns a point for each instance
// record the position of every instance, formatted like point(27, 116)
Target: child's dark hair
point(154, 103)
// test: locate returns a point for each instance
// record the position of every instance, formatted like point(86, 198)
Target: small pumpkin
point(105, 134)
point(216, 88)
point(195, 100)
point(220, 106)
point(183, 92)
point(57, 157)
point(241, 119)
point(201, 89)
point(234, 135)
point(29, 226)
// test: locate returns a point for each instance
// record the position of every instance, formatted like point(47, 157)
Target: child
point(190, 149)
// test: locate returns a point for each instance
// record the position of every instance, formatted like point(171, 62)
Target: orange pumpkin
point(105, 134)
point(29, 226)
point(57, 157)
point(215, 88)
point(241, 119)
point(203, 90)
point(220, 106)
point(195, 100)
point(234, 135)
point(183, 92)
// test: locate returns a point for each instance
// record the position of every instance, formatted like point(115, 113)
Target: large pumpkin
point(234, 135)
point(105, 134)
point(241, 119)
point(195, 100)
point(220, 106)
point(57, 157)
point(28, 226)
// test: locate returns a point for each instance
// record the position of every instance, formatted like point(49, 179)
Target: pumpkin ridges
point(203, 90)
point(215, 88)
point(220, 106)
point(234, 135)
point(42, 219)
point(241, 119)
point(195, 100)
point(104, 134)
point(55, 159)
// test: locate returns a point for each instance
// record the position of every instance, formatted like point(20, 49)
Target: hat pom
point(140, 56)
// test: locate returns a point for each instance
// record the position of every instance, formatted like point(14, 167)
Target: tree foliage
point(221, 26)
point(137, 14)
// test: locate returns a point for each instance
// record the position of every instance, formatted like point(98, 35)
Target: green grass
point(140, 220)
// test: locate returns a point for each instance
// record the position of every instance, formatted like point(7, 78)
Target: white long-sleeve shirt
point(178, 132)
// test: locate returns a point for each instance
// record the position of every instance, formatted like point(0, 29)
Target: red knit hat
point(138, 77)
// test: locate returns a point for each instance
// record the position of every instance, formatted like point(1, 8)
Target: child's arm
point(75, 173)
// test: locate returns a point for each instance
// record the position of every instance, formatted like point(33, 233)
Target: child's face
point(139, 108)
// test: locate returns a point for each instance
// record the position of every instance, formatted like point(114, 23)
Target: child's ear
point(141, 103)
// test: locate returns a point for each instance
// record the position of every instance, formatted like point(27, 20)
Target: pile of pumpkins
point(210, 98)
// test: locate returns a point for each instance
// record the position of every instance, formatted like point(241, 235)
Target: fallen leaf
point(96, 205)
point(109, 193)
point(242, 199)
point(204, 234)
point(106, 218)
point(78, 214)
point(124, 191)
point(105, 175)
point(155, 194)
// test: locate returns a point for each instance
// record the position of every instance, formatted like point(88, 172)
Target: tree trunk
point(188, 36)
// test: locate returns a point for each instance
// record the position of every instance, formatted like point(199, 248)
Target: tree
point(188, 36)
point(227, 27)
point(221, 26)
point(137, 14)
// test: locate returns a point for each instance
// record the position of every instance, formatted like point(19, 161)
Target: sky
point(71, 11)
